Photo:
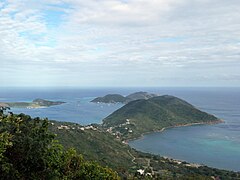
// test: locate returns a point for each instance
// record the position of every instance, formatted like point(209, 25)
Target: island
point(155, 114)
point(110, 98)
point(43, 102)
point(36, 103)
point(117, 98)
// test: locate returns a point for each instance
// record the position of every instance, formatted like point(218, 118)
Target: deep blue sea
point(213, 145)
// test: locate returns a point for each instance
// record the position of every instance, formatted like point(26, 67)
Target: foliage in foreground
point(28, 151)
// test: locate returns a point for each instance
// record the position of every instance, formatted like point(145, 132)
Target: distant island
point(36, 103)
point(110, 98)
point(154, 114)
point(117, 98)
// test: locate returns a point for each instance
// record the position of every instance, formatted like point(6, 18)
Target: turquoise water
point(79, 110)
point(214, 145)
point(198, 144)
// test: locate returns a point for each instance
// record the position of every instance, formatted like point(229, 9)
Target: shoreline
point(180, 125)
point(178, 161)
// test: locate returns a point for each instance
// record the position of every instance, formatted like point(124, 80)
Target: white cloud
point(148, 39)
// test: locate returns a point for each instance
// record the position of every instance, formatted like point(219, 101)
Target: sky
point(119, 43)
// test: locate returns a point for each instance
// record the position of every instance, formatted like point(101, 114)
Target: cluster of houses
point(184, 163)
point(117, 133)
point(81, 128)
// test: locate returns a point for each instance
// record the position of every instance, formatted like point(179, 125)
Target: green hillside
point(110, 98)
point(94, 143)
point(28, 150)
point(142, 116)
point(98, 145)
point(139, 95)
point(117, 98)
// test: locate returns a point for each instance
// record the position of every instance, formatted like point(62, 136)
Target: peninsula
point(36, 103)
point(155, 114)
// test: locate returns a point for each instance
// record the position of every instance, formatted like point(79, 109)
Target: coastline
point(175, 126)
point(175, 160)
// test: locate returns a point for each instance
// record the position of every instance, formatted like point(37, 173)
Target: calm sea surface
point(213, 145)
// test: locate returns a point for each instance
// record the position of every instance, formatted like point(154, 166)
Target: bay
point(213, 145)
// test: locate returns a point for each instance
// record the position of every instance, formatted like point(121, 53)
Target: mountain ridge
point(117, 98)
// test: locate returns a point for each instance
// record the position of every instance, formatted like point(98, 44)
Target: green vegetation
point(37, 103)
point(117, 98)
point(28, 151)
point(110, 98)
point(140, 95)
point(164, 168)
point(96, 144)
point(142, 116)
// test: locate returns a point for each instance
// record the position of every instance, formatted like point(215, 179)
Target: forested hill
point(154, 114)
point(110, 98)
point(28, 150)
point(117, 98)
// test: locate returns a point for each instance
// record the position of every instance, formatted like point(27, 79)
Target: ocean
point(213, 145)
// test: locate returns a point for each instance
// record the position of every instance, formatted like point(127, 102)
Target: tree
point(28, 150)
